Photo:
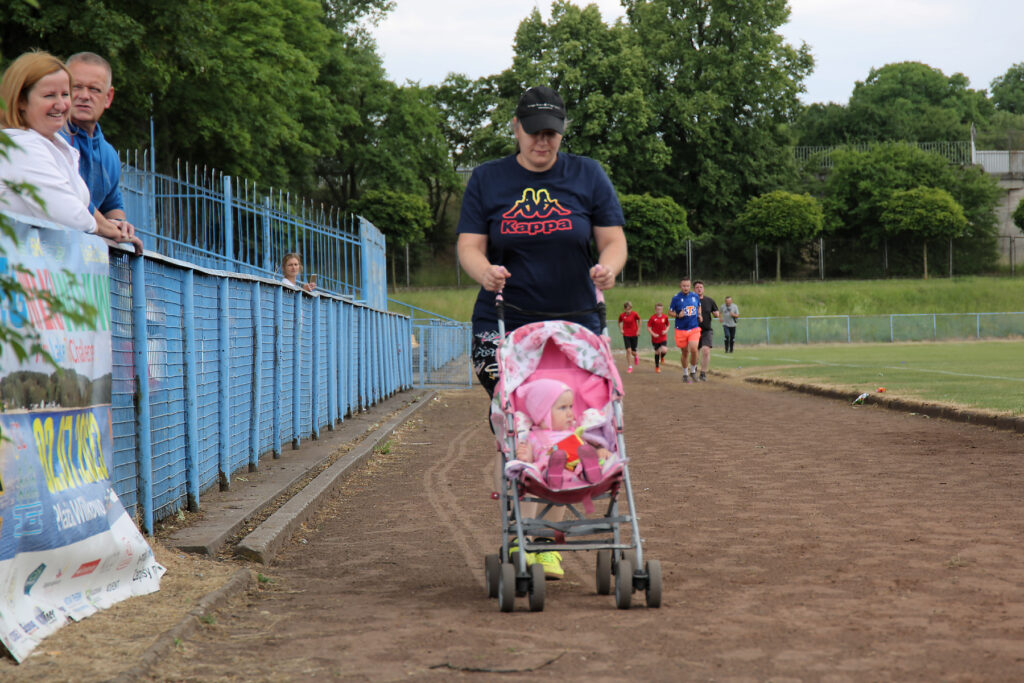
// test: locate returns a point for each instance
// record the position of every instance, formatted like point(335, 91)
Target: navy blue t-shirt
point(539, 226)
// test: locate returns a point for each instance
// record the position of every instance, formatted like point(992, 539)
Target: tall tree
point(1008, 90)
point(722, 80)
point(860, 183)
point(915, 102)
point(657, 231)
point(925, 212)
point(781, 218)
point(602, 74)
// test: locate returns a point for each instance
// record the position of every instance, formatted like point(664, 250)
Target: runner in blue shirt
point(686, 307)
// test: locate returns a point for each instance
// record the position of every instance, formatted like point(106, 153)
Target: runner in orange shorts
point(686, 308)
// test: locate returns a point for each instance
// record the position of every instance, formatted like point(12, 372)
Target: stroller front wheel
point(506, 587)
point(604, 572)
point(624, 584)
point(492, 571)
point(653, 583)
point(537, 588)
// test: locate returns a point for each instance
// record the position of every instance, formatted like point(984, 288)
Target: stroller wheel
point(624, 584)
point(492, 570)
point(653, 583)
point(537, 587)
point(629, 556)
point(506, 587)
point(604, 572)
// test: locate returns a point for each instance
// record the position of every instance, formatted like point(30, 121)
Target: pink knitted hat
point(538, 396)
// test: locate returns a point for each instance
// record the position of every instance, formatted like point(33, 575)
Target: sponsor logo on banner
point(30, 582)
point(87, 568)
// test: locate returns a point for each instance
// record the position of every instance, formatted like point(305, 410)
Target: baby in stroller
point(561, 449)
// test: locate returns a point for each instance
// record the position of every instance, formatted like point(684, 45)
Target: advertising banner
point(67, 546)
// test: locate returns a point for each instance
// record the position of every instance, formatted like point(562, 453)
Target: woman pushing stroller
point(526, 228)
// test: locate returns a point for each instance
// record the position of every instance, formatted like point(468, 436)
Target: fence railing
point(441, 347)
point(213, 220)
point(958, 152)
point(896, 327)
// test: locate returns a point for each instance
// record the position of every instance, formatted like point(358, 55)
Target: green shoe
point(551, 561)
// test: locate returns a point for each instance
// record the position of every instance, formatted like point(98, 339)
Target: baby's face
point(562, 418)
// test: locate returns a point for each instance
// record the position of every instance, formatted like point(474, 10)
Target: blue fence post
point(224, 384)
point(268, 256)
point(314, 372)
point(423, 352)
point(191, 394)
point(257, 384)
point(297, 372)
point(140, 350)
point(344, 335)
point(278, 352)
point(332, 363)
point(229, 224)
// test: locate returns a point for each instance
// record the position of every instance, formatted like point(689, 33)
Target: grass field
point(979, 374)
point(983, 374)
point(832, 297)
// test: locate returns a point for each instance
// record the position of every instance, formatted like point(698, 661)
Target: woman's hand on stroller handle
point(603, 277)
point(494, 278)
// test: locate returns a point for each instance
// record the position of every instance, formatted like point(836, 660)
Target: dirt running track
point(802, 539)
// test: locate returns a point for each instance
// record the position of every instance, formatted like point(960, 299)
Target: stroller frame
point(508, 574)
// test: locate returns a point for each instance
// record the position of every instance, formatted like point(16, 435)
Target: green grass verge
point(832, 297)
point(985, 374)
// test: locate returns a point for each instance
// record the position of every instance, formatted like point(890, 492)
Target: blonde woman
point(36, 91)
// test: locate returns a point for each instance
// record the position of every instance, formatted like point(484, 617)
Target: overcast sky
point(424, 40)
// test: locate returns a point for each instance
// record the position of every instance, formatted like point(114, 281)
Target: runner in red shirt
point(657, 325)
point(629, 325)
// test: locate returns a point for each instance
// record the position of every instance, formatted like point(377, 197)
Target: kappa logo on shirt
point(535, 213)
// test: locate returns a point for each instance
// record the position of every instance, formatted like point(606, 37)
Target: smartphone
point(312, 278)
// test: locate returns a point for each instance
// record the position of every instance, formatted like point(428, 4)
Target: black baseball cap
point(541, 108)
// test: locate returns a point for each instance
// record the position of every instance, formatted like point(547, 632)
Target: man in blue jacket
point(92, 93)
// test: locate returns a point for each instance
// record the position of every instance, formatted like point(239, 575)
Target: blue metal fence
point(212, 220)
point(213, 370)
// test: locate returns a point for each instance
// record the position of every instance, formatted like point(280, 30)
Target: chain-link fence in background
point(898, 327)
point(440, 354)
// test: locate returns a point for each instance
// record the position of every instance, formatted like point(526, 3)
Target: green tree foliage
point(906, 101)
point(779, 218)
point(723, 81)
point(657, 231)
point(917, 103)
point(1018, 215)
point(403, 218)
point(860, 183)
point(823, 125)
point(1008, 90)
point(928, 213)
point(602, 74)
point(238, 85)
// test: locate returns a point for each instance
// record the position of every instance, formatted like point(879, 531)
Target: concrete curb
point(263, 544)
point(1008, 422)
point(166, 641)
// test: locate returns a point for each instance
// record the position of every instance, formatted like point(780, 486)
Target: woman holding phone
point(291, 266)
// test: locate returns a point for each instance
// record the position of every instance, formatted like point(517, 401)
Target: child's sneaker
point(657, 369)
point(591, 463)
point(556, 468)
point(629, 369)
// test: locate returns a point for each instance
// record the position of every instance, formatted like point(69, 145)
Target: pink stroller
point(574, 355)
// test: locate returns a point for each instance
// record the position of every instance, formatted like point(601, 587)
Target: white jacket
point(51, 167)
